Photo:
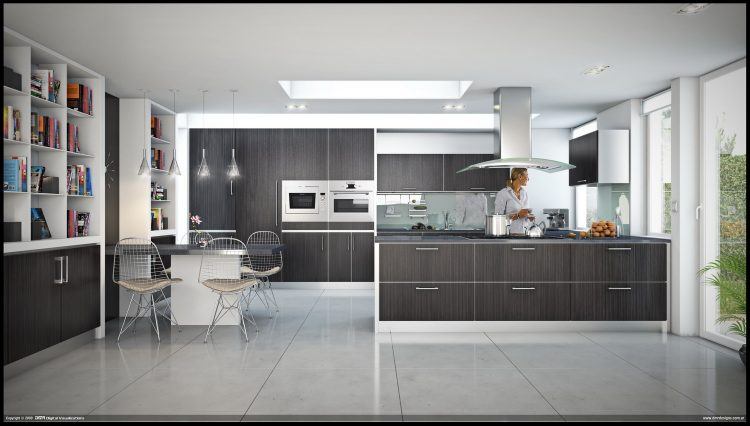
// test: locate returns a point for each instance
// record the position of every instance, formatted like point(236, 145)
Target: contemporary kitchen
point(374, 212)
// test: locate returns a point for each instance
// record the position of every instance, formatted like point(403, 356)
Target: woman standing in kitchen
point(514, 202)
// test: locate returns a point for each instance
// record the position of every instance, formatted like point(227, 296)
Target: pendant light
point(174, 168)
point(203, 168)
point(145, 169)
point(233, 171)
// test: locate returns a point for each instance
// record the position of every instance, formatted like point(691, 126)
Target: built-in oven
point(304, 200)
point(351, 201)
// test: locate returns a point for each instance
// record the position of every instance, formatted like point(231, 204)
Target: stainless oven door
point(353, 206)
point(302, 202)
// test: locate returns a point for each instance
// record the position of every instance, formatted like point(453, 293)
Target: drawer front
point(619, 262)
point(522, 262)
point(426, 302)
point(426, 263)
point(619, 302)
point(522, 302)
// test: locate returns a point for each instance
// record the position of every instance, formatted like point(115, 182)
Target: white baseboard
point(517, 326)
point(324, 285)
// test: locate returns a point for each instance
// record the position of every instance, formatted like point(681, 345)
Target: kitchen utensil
point(496, 225)
point(535, 231)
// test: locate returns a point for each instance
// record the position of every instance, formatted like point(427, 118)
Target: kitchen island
point(469, 283)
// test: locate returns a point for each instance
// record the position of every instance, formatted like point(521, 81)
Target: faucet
point(445, 220)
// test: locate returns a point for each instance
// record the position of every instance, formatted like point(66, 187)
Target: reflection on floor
point(319, 356)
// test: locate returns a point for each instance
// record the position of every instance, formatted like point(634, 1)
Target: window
point(586, 206)
point(658, 112)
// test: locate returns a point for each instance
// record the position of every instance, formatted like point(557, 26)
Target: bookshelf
point(24, 56)
point(135, 215)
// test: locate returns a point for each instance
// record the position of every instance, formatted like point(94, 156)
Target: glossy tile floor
point(319, 356)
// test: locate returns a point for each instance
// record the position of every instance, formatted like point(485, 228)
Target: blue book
point(89, 191)
point(11, 175)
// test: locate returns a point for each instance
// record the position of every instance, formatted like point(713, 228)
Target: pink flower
point(196, 220)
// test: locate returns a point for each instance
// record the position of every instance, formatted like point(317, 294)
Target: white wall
point(434, 143)
point(550, 190)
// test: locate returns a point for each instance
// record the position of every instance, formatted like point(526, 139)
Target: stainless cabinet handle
point(409, 189)
point(426, 288)
point(523, 288)
point(352, 242)
point(276, 203)
point(619, 248)
point(427, 249)
point(321, 243)
point(477, 189)
point(523, 248)
point(231, 187)
point(349, 243)
point(582, 181)
point(61, 279)
point(619, 288)
point(67, 270)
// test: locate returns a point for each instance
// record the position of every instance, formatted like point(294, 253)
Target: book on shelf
point(156, 127)
point(37, 175)
point(158, 220)
point(78, 223)
point(39, 228)
point(78, 180)
point(43, 84)
point(158, 161)
point(73, 145)
point(80, 98)
point(11, 123)
point(45, 131)
point(14, 174)
point(158, 192)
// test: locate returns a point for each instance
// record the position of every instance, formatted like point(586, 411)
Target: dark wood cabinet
point(583, 152)
point(305, 155)
point(410, 172)
point(426, 302)
point(522, 262)
point(522, 301)
point(306, 258)
point(363, 257)
point(340, 257)
point(40, 312)
point(426, 262)
point(351, 154)
point(619, 301)
point(211, 196)
point(618, 262)
point(474, 180)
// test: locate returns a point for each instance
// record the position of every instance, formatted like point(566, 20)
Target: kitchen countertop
point(186, 249)
point(455, 239)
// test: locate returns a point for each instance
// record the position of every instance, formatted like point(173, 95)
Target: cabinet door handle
point(427, 249)
point(67, 270)
point(352, 242)
point(276, 203)
point(523, 248)
point(60, 280)
point(231, 187)
point(426, 288)
point(409, 189)
point(477, 189)
point(619, 248)
point(619, 288)
point(582, 181)
point(523, 288)
point(321, 243)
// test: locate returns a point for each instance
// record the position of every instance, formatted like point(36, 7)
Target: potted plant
point(195, 220)
point(730, 280)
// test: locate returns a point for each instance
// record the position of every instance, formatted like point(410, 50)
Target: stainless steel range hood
point(513, 134)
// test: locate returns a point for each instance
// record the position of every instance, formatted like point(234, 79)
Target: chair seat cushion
point(146, 285)
point(268, 272)
point(229, 285)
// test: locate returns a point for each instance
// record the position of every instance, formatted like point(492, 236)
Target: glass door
point(723, 197)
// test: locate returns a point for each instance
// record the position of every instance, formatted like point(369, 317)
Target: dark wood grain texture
point(80, 294)
point(112, 154)
point(351, 154)
point(340, 257)
point(474, 180)
point(618, 262)
point(522, 262)
point(306, 257)
point(351, 225)
point(619, 302)
point(410, 172)
point(318, 226)
point(363, 257)
point(305, 156)
point(426, 302)
point(522, 301)
point(583, 153)
point(210, 196)
point(426, 262)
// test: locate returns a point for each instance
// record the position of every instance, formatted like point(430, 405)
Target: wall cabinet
point(40, 312)
point(305, 155)
point(211, 196)
point(475, 180)
point(410, 172)
point(600, 157)
point(351, 154)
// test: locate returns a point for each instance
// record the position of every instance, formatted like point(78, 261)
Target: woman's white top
point(507, 203)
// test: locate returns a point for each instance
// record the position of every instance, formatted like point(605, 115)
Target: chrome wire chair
point(138, 268)
point(193, 239)
point(221, 271)
point(263, 266)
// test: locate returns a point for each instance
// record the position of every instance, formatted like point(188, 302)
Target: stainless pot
point(496, 225)
point(535, 231)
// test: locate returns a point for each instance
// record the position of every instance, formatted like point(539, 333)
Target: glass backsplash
point(464, 210)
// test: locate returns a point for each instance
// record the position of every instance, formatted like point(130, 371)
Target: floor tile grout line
point(524, 375)
point(395, 369)
point(644, 371)
point(145, 373)
point(282, 354)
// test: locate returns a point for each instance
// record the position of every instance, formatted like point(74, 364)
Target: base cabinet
point(50, 296)
point(306, 258)
point(426, 302)
point(522, 302)
point(619, 301)
point(363, 257)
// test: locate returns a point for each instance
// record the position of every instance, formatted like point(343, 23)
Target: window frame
point(651, 105)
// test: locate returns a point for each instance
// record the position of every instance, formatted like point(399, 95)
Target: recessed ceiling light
point(296, 107)
point(693, 8)
point(454, 107)
point(595, 70)
point(374, 89)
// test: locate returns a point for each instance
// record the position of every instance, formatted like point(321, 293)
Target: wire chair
point(220, 271)
point(265, 265)
point(139, 269)
point(195, 238)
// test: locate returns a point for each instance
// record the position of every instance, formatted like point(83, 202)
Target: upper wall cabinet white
point(600, 157)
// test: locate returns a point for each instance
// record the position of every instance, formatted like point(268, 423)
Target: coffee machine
point(557, 218)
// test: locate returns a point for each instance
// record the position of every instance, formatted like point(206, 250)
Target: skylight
point(374, 89)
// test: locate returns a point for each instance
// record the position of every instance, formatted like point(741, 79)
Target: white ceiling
point(251, 46)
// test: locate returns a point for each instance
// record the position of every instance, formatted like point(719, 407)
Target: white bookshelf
point(135, 215)
point(23, 55)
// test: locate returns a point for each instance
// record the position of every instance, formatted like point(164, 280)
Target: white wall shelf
point(155, 140)
point(9, 91)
